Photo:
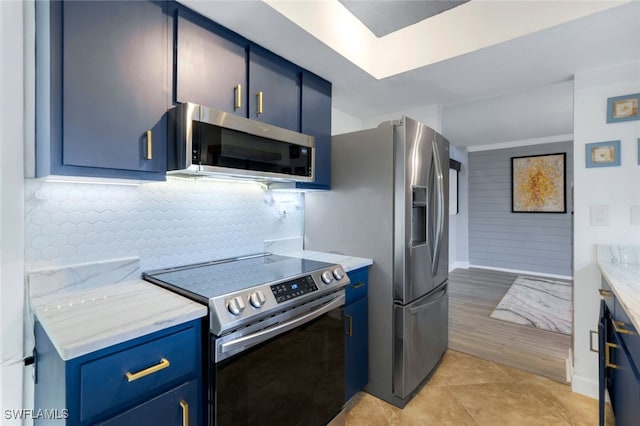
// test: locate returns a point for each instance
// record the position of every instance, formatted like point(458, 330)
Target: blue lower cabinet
point(154, 379)
point(356, 314)
point(619, 361)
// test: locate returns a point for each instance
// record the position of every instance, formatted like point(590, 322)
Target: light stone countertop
point(349, 263)
point(620, 267)
point(89, 313)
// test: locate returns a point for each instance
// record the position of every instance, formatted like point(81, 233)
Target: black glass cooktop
point(208, 280)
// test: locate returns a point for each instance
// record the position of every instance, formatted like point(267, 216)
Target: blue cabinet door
point(315, 120)
point(174, 408)
point(356, 313)
point(602, 369)
point(356, 347)
point(274, 89)
point(114, 88)
point(211, 65)
point(625, 382)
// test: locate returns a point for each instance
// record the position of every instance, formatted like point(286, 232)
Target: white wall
point(11, 206)
point(459, 223)
point(341, 122)
point(616, 187)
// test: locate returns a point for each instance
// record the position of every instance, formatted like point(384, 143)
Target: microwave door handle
point(266, 334)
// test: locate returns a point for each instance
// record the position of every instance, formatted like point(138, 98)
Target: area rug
point(537, 302)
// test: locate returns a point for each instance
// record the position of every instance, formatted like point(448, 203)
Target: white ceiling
point(490, 83)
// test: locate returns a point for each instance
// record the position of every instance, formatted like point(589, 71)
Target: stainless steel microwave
point(204, 141)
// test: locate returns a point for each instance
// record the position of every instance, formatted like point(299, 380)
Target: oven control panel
point(294, 288)
point(238, 309)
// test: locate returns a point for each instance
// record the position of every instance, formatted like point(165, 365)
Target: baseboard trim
point(458, 265)
point(520, 271)
point(584, 386)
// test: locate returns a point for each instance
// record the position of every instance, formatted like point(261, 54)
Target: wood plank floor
point(473, 294)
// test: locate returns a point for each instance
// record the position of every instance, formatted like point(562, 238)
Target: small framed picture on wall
point(623, 108)
point(602, 154)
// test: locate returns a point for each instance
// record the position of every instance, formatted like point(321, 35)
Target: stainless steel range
point(276, 341)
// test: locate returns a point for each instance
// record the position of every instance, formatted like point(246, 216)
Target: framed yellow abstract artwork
point(538, 184)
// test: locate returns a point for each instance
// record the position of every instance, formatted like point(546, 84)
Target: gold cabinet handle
point(238, 91)
point(358, 285)
point(259, 95)
point(149, 155)
point(185, 412)
point(607, 355)
point(605, 293)
point(164, 363)
point(350, 330)
point(618, 326)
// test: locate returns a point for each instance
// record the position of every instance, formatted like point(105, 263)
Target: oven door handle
point(263, 335)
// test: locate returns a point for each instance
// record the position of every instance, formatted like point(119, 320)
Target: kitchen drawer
point(358, 287)
point(156, 365)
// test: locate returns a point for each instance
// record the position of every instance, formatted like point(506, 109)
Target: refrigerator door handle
point(418, 309)
point(439, 190)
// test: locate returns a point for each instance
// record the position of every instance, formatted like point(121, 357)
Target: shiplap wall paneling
point(535, 242)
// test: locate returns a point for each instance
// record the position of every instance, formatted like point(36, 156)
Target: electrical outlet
point(599, 215)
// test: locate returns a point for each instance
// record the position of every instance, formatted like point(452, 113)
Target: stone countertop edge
point(82, 321)
point(348, 263)
point(624, 280)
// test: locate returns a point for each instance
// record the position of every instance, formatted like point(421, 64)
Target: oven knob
point(327, 277)
point(257, 299)
point(337, 273)
point(236, 305)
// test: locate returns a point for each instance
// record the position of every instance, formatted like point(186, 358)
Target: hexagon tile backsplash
point(164, 223)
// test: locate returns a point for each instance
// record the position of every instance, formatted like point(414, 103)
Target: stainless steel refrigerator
point(389, 202)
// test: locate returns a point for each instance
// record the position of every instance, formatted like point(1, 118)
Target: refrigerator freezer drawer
point(420, 340)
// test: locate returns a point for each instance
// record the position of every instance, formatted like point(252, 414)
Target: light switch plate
point(599, 215)
point(635, 215)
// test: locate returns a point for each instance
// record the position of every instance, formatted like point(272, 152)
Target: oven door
point(290, 373)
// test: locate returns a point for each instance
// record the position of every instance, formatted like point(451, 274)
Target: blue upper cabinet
point(315, 120)
point(274, 89)
point(108, 93)
point(211, 64)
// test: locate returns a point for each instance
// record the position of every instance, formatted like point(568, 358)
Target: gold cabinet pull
point(164, 363)
point(259, 95)
point(149, 155)
point(358, 285)
point(607, 355)
point(605, 293)
point(619, 327)
point(350, 330)
point(185, 412)
point(238, 91)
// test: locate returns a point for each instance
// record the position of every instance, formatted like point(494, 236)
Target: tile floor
point(466, 390)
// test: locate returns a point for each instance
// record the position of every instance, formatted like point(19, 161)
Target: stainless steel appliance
point(389, 202)
point(204, 141)
point(276, 341)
